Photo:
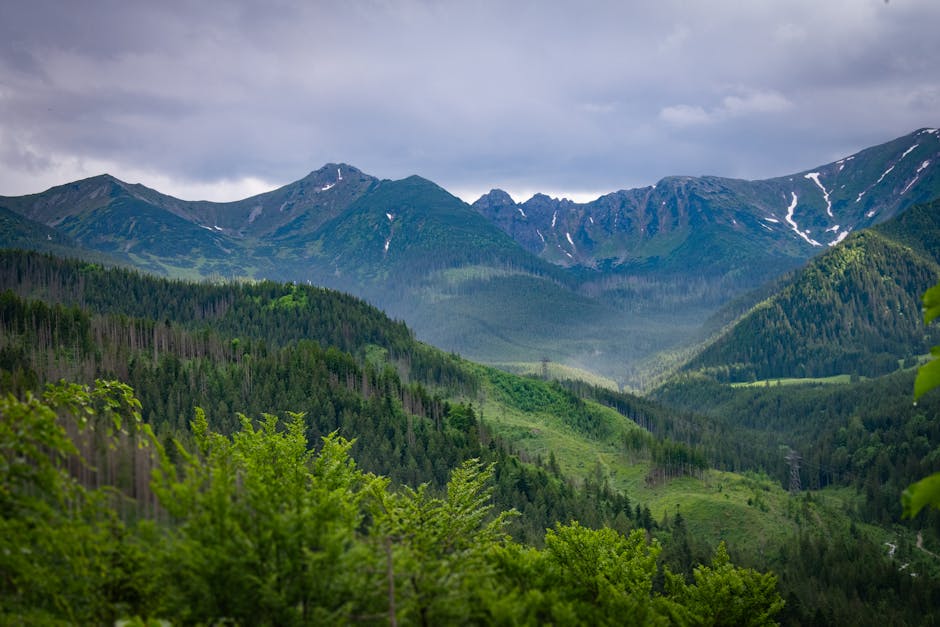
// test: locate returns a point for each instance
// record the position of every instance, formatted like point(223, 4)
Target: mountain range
point(786, 217)
point(618, 286)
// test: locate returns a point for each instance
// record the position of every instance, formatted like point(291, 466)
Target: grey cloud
point(528, 94)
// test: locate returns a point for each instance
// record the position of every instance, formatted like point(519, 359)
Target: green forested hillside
point(868, 435)
point(859, 439)
point(863, 443)
point(563, 452)
point(854, 310)
point(270, 347)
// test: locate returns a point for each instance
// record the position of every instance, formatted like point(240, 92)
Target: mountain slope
point(17, 231)
point(463, 284)
point(411, 227)
point(853, 310)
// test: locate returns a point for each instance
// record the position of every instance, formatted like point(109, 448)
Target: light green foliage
point(724, 594)
point(583, 576)
point(64, 555)
point(928, 376)
point(266, 530)
point(601, 577)
point(921, 494)
point(30, 444)
point(295, 299)
point(931, 304)
point(111, 405)
point(603, 568)
point(839, 379)
point(437, 549)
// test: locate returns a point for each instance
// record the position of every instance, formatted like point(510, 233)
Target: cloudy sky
point(221, 100)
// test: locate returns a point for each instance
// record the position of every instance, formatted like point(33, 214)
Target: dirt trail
point(920, 545)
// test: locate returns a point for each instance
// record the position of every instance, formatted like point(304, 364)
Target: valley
point(760, 319)
point(603, 286)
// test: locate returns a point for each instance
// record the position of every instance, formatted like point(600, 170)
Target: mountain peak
point(495, 198)
point(334, 171)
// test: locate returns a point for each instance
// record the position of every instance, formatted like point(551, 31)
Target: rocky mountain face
point(791, 217)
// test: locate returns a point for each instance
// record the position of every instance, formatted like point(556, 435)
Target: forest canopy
point(261, 528)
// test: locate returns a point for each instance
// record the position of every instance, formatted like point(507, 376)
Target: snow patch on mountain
point(541, 237)
point(554, 218)
point(923, 166)
point(814, 177)
point(841, 237)
point(832, 229)
point(884, 174)
point(571, 241)
point(521, 211)
point(327, 187)
point(796, 229)
point(909, 150)
point(391, 218)
point(255, 213)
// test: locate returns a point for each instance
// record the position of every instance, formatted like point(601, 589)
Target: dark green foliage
point(682, 443)
point(867, 434)
point(273, 313)
point(843, 578)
